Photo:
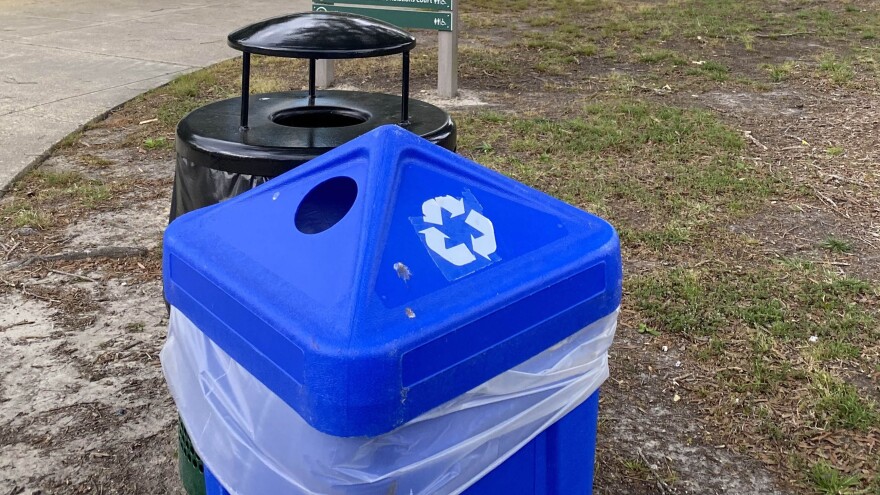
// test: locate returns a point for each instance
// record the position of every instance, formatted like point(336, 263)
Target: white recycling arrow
point(485, 244)
point(458, 255)
point(431, 209)
point(455, 207)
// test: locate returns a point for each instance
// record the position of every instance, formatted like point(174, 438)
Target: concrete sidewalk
point(64, 62)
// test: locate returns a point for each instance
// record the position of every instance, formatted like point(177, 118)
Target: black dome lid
point(322, 35)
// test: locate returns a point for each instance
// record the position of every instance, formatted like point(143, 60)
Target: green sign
point(409, 4)
point(412, 19)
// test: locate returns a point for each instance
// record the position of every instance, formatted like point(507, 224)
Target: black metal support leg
point(311, 81)
point(245, 88)
point(404, 98)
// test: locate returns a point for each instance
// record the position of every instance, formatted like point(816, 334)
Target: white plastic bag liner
point(255, 444)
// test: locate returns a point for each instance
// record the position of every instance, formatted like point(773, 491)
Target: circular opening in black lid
point(319, 116)
point(325, 205)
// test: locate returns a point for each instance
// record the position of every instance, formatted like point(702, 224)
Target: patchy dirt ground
point(651, 442)
point(84, 406)
point(733, 144)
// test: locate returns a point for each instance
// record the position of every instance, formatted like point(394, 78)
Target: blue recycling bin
point(391, 318)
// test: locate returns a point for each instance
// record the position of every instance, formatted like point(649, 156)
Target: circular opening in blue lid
point(325, 205)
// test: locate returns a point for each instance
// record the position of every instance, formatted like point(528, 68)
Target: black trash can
point(231, 146)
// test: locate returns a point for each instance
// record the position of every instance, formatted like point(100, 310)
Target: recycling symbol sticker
point(459, 238)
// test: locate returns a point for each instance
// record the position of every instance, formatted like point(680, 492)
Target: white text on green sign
point(412, 19)
point(443, 5)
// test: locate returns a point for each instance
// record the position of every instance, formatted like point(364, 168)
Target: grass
point(22, 214)
point(553, 6)
point(737, 21)
point(758, 321)
point(551, 45)
point(676, 164)
point(707, 302)
point(51, 179)
point(137, 326)
point(662, 56)
point(829, 481)
point(714, 350)
point(838, 351)
point(493, 62)
point(658, 238)
point(670, 164)
point(93, 161)
point(779, 317)
point(839, 405)
point(781, 72)
point(711, 69)
point(616, 28)
point(158, 143)
point(645, 329)
point(69, 140)
point(637, 468)
point(268, 85)
point(836, 245)
point(51, 186)
point(192, 85)
point(749, 25)
point(839, 71)
point(91, 194)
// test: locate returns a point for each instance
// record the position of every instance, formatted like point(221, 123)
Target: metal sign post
point(447, 58)
point(436, 15)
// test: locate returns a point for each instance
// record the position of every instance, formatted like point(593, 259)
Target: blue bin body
point(559, 461)
point(389, 276)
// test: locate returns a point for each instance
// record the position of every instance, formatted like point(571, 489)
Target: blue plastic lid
point(386, 277)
